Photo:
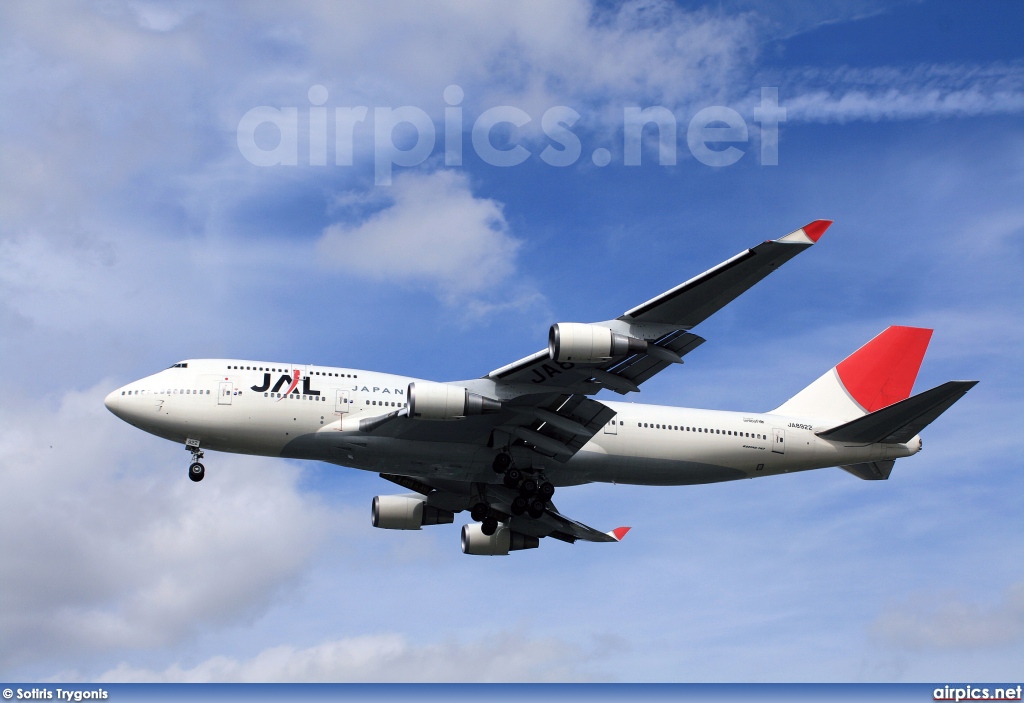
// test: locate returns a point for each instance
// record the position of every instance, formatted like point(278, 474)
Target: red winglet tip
point(815, 229)
point(620, 532)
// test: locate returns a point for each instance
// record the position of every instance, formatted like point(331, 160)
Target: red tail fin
point(883, 371)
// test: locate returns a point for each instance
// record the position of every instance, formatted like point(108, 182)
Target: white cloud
point(896, 93)
point(951, 623)
point(106, 547)
point(433, 233)
point(501, 657)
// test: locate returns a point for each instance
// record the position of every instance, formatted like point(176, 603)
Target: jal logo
point(290, 381)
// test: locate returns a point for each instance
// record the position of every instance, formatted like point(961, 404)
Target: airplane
point(498, 446)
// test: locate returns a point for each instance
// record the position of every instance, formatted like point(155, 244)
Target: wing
point(663, 321)
point(692, 302)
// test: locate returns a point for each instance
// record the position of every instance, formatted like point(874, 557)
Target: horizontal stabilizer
point(899, 422)
point(871, 470)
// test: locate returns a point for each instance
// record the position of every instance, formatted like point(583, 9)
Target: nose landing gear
point(196, 471)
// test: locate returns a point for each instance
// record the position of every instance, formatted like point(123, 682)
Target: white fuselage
point(245, 407)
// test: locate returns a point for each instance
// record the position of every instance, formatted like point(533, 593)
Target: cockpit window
point(181, 365)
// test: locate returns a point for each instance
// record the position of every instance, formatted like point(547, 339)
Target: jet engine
point(503, 541)
point(407, 512)
point(439, 401)
point(590, 344)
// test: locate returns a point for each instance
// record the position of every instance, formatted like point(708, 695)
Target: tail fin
point(880, 373)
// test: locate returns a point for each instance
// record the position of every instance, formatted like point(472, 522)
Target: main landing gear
point(534, 491)
point(481, 512)
point(196, 471)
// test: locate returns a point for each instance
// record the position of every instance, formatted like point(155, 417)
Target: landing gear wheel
point(509, 481)
point(546, 490)
point(501, 464)
point(514, 474)
point(489, 526)
point(479, 511)
point(536, 508)
point(528, 487)
point(519, 505)
point(196, 471)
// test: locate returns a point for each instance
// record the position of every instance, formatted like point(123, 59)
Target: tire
point(489, 526)
point(501, 464)
point(536, 508)
point(514, 474)
point(528, 487)
point(479, 511)
point(510, 482)
point(196, 472)
point(546, 490)
point(519, 505)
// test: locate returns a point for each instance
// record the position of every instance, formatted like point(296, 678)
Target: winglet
point(815, 229)
point(618, 533)
point(808, 234)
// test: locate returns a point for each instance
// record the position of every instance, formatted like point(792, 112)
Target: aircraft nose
point(111, 401)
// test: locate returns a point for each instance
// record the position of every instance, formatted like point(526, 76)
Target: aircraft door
point(227, 389)
point(778, 441)
point(612, 427)
point(342, 401)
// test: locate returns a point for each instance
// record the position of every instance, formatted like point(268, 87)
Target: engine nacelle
point(503, 541)
point(407, 512)
point(439, 401)
point(590, 344)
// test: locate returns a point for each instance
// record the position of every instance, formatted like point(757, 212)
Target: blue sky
point(134, 233)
